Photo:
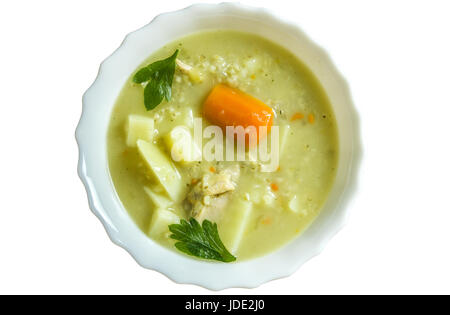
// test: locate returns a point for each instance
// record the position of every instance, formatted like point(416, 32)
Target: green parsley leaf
point(201, 241)
point(159, 78)
point(153, 94)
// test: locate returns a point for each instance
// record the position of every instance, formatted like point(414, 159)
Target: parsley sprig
point(201, 241)
point(159, 78)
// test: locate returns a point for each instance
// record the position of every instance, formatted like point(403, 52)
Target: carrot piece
point(212, 169)
point(311, 118)
point(297, 116)
point(274, 187)
point(226, 106)
point(266, 221)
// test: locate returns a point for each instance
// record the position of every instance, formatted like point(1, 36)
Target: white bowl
point(99, 100)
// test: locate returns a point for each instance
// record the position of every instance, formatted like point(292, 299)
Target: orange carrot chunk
point(226, 106)
point(266, 221)
point(311, 118)
point(274, 187)
point(297, 116)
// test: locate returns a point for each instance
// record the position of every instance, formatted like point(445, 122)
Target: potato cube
point(295, 206)
point(158, 200)
point(161, 219)
point(196, 76)
point(182, 146)
point(162, 169)
point(233, 225)
point(139, 128)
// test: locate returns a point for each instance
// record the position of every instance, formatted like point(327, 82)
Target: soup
point(158, 153)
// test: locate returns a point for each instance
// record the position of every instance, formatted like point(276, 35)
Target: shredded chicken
point(216, 184)
point(183, 66)
point(194, 74)
point(208, 198)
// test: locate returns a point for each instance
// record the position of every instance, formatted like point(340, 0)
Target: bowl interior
point(99, 100)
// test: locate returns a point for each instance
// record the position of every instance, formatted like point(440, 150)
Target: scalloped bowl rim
point(93, 170)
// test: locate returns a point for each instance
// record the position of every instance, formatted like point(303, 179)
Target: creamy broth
point(279, 205)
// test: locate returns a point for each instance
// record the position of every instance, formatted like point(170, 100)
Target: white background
point(396, 57)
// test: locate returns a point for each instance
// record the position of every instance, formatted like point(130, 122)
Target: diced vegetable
point(233, 225)
point(161, 219)
point(266, 221)
point(226, 106)
point(294, 206)
point(139, 127)
point(162, 169)
point(158, 200)
point(182, 146)
point(297, 116)
point(274, 187)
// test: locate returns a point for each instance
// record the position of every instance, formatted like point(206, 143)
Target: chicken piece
point(183, 66)
point(216, 184)
point(193, 73)
point(212, 210)
point(209, 197)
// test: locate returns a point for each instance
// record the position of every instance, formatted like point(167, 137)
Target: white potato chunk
point(158, 200)
point(159, 224)
point(233, 225)
point(139, 128)
point(162, 168)
point(294, 206)
point(182, 146)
